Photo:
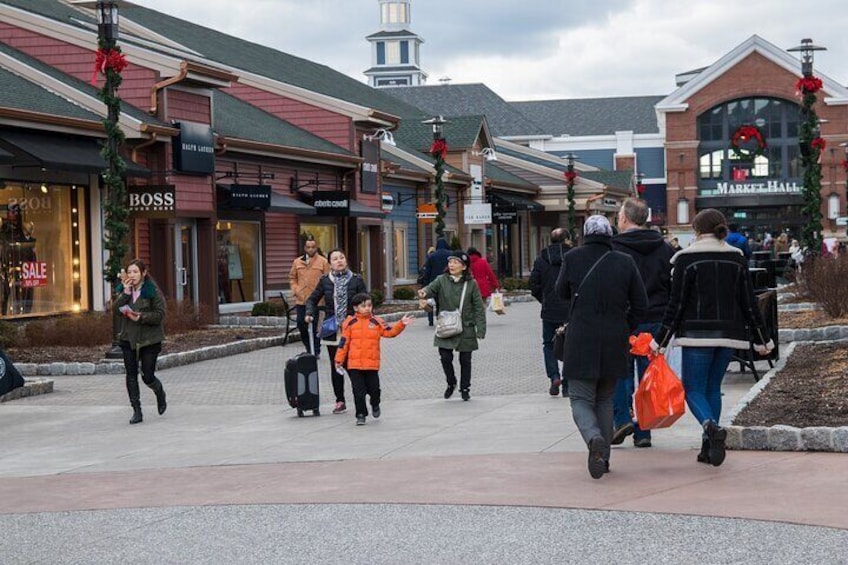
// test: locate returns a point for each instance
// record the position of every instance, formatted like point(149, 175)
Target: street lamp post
point(110, 62)
point(811, 146)
point(439, 150)
point(570, 177)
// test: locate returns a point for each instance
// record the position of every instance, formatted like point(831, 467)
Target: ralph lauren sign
point(331, 202)
point(194, 149)
point(249, 197)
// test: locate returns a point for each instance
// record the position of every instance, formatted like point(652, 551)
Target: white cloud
point(535, 50)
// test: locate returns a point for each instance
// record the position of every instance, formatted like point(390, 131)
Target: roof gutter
point(154, 90)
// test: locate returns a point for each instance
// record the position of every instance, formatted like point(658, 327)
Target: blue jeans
point(551, 365)
point(625, 388)
point(703, 370)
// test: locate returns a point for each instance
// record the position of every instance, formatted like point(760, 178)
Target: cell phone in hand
point(124, 309)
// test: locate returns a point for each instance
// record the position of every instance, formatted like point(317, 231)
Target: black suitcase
point(301, 376)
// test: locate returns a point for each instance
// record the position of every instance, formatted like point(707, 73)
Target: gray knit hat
point(597, 225)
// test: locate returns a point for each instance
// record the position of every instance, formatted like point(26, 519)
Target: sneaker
point(554, 391)
point(449, 391)
point(622, 432)
point(360, 420)
point(465, 394)
point(597, 464)
point(642, 442)
point(716, 435)
point(375, 411)
point(340, 408)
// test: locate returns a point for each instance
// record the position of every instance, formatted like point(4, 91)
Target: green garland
point(811, 232)
point(570, 176)
point(115, 205)
point(438, 150)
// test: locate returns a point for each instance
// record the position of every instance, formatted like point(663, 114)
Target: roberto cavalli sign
point(194, 149)
point(331, 202)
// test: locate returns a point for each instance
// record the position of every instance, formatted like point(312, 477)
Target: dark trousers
point(146, 359)
point(306, 331)
point(551, 365)
point(362, 383)
point(591, 408)
point(446, 356)
point(625, 388)
point(337, 378)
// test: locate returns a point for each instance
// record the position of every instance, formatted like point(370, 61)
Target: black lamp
point(107, 19)
point(807, 51)
point(438, 124)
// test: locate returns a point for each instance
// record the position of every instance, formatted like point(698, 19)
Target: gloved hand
point(655, 348)
point(764, 349)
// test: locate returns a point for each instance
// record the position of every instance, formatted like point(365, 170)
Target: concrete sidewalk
point(230, 475)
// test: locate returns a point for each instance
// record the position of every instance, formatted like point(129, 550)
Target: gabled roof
point(676, 101)
point(21, 94)
point(238, 119)
point(501, 176)
point(593, 116)
point(266, 61)
point(468, 99)
point(460, 132)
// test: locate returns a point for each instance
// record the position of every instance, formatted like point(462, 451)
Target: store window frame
point(777, 118)
point(256, 275)
point(400, 249)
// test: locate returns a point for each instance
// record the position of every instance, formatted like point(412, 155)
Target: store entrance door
point(185, 260)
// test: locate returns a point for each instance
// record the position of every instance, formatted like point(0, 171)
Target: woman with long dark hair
point(141, 308)
point(337, 289)
point(712, 311)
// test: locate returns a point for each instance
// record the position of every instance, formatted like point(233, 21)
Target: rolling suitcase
point(301, 380)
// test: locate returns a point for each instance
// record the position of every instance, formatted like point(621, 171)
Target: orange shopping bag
point(659, 400)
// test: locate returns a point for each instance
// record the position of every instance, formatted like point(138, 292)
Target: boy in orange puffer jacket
point(360, 346)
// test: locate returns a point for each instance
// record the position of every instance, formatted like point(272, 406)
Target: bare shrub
point(79, 330)
point(184, 316)
point(826, 280)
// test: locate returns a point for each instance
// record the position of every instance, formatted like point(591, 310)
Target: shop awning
point(289, 205)
point(59, 152)
point(360, 210)
point(520, 202)
point(5, 156)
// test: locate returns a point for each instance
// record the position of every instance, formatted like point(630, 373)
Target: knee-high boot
point(159, 391)
point(135, 399)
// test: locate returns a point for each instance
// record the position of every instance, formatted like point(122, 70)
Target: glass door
point(185, 259)
point(365, 255)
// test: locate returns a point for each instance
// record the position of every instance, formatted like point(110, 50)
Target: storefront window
point(401, 252)
point(43, 262)
point(325, 235)
point(239, 261)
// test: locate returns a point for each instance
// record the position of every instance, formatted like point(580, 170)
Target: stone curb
point(798, 307)
point(780, 437)
point(826, 333)
point(32, 387)
point(206, 353)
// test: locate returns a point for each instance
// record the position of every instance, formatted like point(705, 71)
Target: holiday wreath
point(742, 136)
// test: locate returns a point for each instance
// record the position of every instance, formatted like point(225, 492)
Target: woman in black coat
point(336, 289)
point(601, 320)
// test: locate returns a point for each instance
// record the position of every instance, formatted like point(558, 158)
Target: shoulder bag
point(559, 334)
point(449, 322)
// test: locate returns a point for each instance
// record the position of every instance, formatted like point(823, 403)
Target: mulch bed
point(811, 390)
point(803, 319)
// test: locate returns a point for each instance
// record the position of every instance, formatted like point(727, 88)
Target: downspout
point(590, 199)
point(134, 153)
point(154, 90)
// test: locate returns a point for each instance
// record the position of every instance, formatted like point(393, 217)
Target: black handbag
point(561, 331)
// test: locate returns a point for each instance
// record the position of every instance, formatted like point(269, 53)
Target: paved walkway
point(229, 475)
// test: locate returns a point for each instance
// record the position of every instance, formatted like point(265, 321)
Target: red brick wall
point(79, 62)
point(333, 127)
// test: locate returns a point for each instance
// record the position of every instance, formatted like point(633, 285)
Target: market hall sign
point(331, 202)
point(152, 201)
point(768, 187)
point(194, 149)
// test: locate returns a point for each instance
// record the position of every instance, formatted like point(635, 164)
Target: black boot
point(704, 455)
point(161, 404)
point(136, 417)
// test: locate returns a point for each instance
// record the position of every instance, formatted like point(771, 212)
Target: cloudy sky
point(537, 49)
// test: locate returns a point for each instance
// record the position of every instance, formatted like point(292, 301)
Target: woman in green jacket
point(448, 290)
point(142, 313)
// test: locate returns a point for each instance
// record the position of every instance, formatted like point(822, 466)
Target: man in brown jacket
point(306, 271)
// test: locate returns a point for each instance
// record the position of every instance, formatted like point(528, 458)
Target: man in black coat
point(554, 309)
point(604, 311)
point(436, 264)
point(652, 255)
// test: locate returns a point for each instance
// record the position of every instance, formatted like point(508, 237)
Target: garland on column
point(570, 177)
point(110, 62)
point(811, 148)
point(439, 150)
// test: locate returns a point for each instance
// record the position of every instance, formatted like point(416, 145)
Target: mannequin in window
point(27, 253)
point(11, 234)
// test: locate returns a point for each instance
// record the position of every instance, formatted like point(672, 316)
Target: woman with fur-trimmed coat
point(447, 289)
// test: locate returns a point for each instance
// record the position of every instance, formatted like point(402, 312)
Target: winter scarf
point(340, 299)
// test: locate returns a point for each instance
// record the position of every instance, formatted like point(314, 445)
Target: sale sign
point(33, 274)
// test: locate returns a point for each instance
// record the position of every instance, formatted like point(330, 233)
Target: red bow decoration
point(819, 143)
point(439, 147)
point(108, 59)
point(808, 85)
point(570, 176)
point(640, 188)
